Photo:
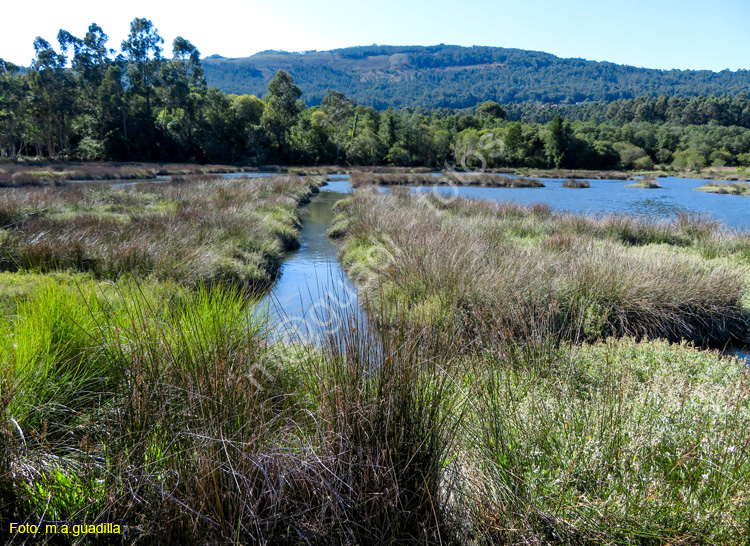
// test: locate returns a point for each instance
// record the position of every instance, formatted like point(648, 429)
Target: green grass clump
point(18, 286)
point(176, 399)
point(646, 184)
point(576, 184)
point(610, 444)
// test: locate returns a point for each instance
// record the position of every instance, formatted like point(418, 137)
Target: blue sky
point(656, 34)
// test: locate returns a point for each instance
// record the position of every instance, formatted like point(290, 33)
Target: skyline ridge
point(564, 57)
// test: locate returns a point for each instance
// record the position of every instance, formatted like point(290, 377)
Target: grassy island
point(45, 173)
point(197, 229)
point(735, 188)
point(646, 184)
point(445, 179)
point(578, 184)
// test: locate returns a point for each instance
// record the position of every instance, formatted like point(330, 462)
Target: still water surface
point(313, 296)
point(605, 196)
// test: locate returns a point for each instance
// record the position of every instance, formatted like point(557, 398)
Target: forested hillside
point(459, 77)
point(81, 100)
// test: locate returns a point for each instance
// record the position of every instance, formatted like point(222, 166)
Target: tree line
point(86, 101)
point(718, 110)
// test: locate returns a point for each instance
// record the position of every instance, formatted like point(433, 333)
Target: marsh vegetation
point(42, 173)
point(735, 188)
point(576, 184)
point(515, 375)
point(523, 376)
point(196, 229)
point(645, 184)
point(579, 427)
point(445, 178)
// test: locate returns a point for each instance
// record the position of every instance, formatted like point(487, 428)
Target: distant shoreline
point(41, 173)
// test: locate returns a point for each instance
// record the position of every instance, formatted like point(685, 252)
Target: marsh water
point(313, 296)
point(605, 196)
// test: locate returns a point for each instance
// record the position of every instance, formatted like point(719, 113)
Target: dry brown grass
point(576, 184)
point(497, 269)
point(46, 173)
point(198, 229)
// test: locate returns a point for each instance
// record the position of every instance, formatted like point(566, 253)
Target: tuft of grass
point(576, 184)
point(182, 423)
point(646, 184)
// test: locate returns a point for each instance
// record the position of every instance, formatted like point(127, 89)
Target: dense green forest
point(86, 101)
point(459, 77)
point(722, 110)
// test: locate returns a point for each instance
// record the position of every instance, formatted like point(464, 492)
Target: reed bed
point(577, 184)
point(338, 169)
point(618, 443)
point(488, 397)
point(44, 173)
point(579, 428)
point(199, 229)
point(646, 184)
point(574, 174)
point(734, 188)
point(168, 412)
point(445, 179)
point(487, 265)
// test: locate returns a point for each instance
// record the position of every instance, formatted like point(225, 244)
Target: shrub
point(576, 184)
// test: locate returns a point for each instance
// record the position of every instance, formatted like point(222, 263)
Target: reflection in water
point(743, 353)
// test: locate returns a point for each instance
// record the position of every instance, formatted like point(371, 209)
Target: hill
point(459, 77)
